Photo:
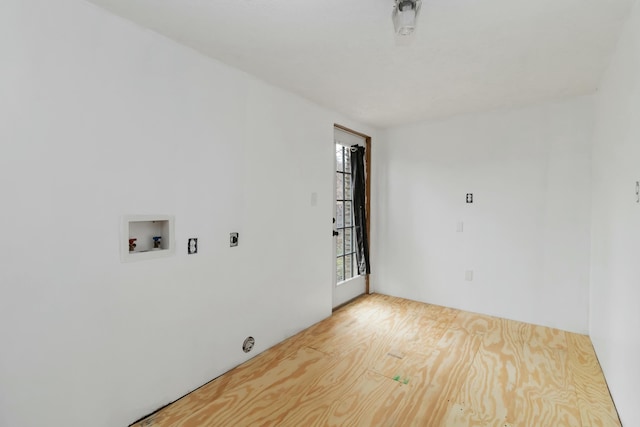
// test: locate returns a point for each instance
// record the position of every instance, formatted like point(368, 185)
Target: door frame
point(367, 167)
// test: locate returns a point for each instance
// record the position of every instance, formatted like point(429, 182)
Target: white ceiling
point(466, 55)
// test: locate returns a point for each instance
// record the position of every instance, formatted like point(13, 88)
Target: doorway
point(348, 281)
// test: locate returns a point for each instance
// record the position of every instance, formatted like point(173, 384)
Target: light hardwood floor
point(385, 361)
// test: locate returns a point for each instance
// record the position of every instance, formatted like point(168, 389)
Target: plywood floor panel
point(373, 400)
point(438, 381)
point(387, 361)
point(592, 393)
point(314, 404)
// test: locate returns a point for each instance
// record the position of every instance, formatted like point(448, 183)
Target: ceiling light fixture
point(404, 16)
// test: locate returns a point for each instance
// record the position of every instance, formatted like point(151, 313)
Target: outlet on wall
point(193, 246)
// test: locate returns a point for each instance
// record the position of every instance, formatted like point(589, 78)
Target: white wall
point(99, 118)
point(614, 321)
point(526, 236)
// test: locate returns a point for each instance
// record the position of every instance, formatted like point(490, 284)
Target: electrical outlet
point(469, 197)
point(193, 246)
point(233, 239)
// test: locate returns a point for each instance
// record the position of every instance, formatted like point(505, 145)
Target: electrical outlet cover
point(193, 246)
point(233, 239)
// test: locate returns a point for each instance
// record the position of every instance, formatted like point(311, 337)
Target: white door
point(347, 283)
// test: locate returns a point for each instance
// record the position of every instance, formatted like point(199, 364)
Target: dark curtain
point(358, 191)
